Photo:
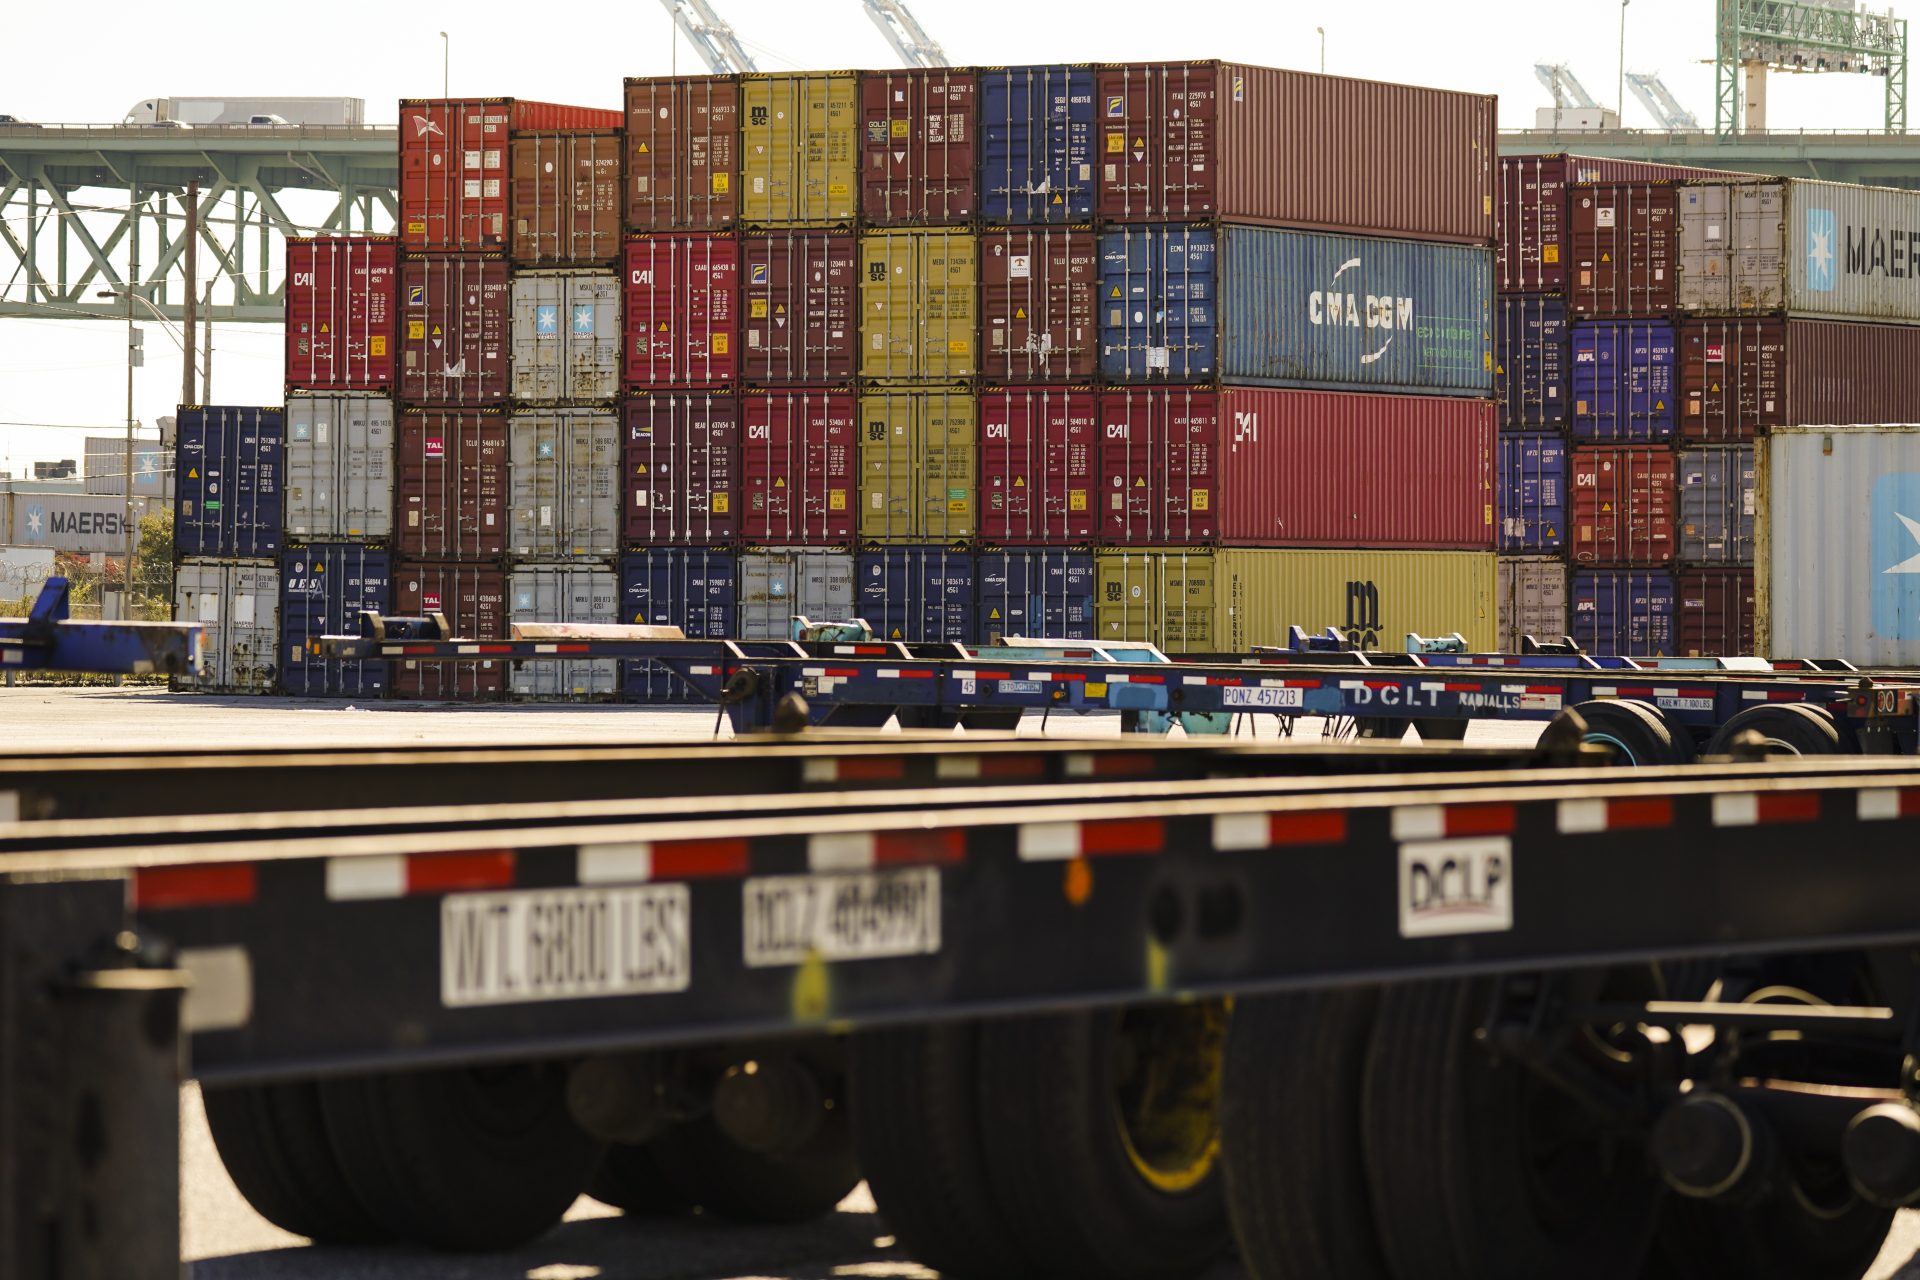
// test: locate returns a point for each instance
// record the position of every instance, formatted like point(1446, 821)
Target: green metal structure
point(1787, 36)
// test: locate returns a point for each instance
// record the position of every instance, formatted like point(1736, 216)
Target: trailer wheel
point(273, 1140)
point(724, 1178)
point(1296, 1179)
point(1811, 1227)
point(632, 1180)
point(1789, 728)
point(467, 1158)
point(1638, 733)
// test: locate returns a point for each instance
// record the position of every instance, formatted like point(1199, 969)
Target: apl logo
point(1382, 315)
point(1822, 233)
point(1896, 556)
point(36, 528)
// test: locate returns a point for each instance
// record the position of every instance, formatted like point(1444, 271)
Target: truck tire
point(273, 1140)
point(1296, 1181)
point(1790, 729)
point(631, 1180)
point(725, 1178)
point(1808, 1229)
point(1638, 733)
point(476, 1158)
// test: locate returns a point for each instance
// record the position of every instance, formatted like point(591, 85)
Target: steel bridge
point(1877, 157)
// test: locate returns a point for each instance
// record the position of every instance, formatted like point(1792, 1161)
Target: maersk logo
point(546, 319)
point(1895, 508)
point(1381, 314)
point(1821, 237)
point(36, 524)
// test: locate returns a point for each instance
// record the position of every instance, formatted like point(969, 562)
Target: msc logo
point(1380, 314)
point(1821, 235)
point(1363, 615)
point(1895, 508)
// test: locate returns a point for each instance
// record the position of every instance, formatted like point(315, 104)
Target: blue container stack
point(229, 502)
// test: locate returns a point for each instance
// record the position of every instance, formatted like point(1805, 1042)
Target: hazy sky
point(578, 50)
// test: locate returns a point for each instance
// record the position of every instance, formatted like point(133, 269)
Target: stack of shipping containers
point(228, 505)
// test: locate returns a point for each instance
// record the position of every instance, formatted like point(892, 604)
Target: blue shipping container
point(916, 593)
point(691, 588)
point(1533, 491)
point(323, 589)
point(1039, 594)
point(1623, 611)
point(1623, 380)
point(1530, 362)
point(1295, 309)
point(1717, 500)
point(1036, 144)
point(228, 499)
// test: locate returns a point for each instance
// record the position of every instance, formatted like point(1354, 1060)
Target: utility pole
point(192, 294)
point(133, 357)
point(206, 350)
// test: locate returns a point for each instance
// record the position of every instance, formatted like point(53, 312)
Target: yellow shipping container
point(1229, 600)
point(919, 314)
point(917, 464)
point(799, 145)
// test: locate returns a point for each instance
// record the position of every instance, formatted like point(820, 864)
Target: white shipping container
point(563, 484)
point(339, 467)
point(564, 593)
point(106, 467)
point(237, 604)
point(1532, 600)
point(566, 337)
point(778, 583)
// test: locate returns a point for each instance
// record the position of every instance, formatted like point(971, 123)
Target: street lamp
point(1323, 49)
point(446, 62)
point(133, 353)
point(1620, 82)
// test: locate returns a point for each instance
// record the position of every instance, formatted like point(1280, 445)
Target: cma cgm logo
point(1381, 315)
point(1895, 508)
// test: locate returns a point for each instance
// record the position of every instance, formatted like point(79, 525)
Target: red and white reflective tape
point(895, 673)
point(1757, 808)
point(1056, 677)
point(1064, 841)
point(1582, 817)
point(562, 648)
point(966, 768)
point(854, 769)
point(1434, 821)
point(1879, 804)
point(1122, 677)
point(1233, 831)
point(866, 850)
point(402, 875)
point(217, 885)
point(634, 861)
point(1772, 695)
point(1110, 764)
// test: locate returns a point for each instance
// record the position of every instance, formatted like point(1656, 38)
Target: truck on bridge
point(335, 112)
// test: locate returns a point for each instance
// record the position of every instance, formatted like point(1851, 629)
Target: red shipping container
point(681, 316)
point(800, 318)
point(454, 165)
point(1159, 465)
point(1624, 250)
point(340, 296)
point(918, 162)
point(1715, 608)
point(1038, 446)
point(682, 462)
point(1624, 506)
point(474, 598)
point(1203, 140)
point(683, 153)
point(1742, 376)
point(566, 198)
point(455, 310)
point(799, 465)
point(1038, 304)
point(450, 491)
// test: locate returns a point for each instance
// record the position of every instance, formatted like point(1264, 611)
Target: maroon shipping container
point(340, 296)
point(681, 315)
point(918, 160)
point(1158, 468)
point(1715, 608)
point(1741, 376)
point(474, 598)
point(683, 153)
point(1624, 505)
point(799, 465)
point(1624, 251)
point(682, 463)
point(1038, 307)
point(454, 314)
point(566, 198)
point(1203, 140)
point(1038, 446)
point(450, 496)
point(799, 305)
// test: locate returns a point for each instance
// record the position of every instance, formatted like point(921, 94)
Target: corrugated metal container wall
point(919, 309)
point(693, 588)
point(1039, 449)
point(340, 294)
point(1741, 376)
point(682, 316)
point(1717, 502)
point(799, 321)
point(682, 467)
point(917, 594)
point(105, 468)
point(1534, 470)
point(1623, 383)
point(564, 593)
point(1035, 593)
point(1530, 362)
point(683, 153)
point(228, 499)
point(799, 141)
point(237, 605)
point(563, 484)
point(1623, 250)
point(339, 467)
point(1039, 313)
point(474, 598)
point(778, 584)
point(1716, 612)
point(1036, 144)
point(1629, 612)
point(566, 336)
point(1205, 140)
point(323, 588)
point(451, 488)
point(799, 464)
point(1624, 504)
point(917, 144)
point(1159, 465)
point(566, 198)
point(456, 323)
point(1533, 601)
point(918, 472)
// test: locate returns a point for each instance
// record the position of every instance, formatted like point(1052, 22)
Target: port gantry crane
point(723, 53)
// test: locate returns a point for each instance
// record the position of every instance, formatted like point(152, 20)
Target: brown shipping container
point(682, 463)
point(799, 313)
point(1203, 140)
point(1038, 447)
point(1623, 249)
point(1742, 376)
point(455, 312)
point(1625, 503)
point(1038, 304)
point(683, 153)
point(917, 146)
point(451, 484)
point(681, 316)
point(340, 296)
point(474, 598)
point(1715, 608)
point(799, 463)
point(566, 198)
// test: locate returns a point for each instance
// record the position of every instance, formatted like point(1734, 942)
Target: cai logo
point(1820, 245)
point(1895, 511)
